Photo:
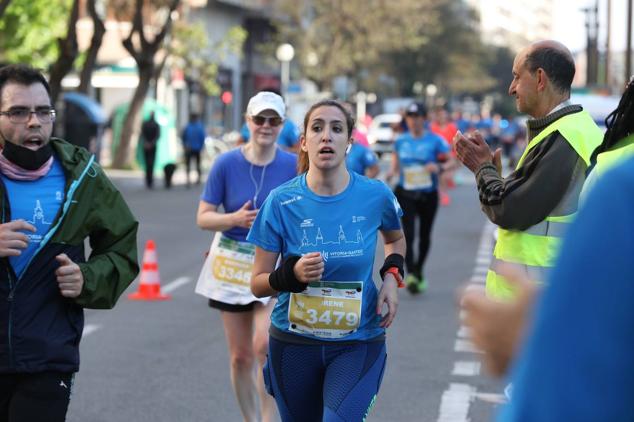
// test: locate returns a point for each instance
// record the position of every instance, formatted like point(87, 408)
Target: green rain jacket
point(40, 330)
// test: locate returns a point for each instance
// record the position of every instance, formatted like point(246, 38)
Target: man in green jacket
point(54, 196)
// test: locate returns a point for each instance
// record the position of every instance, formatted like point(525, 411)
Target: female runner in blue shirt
point(327, 337)
point(240, 180)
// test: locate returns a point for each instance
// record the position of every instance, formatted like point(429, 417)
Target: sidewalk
point(136, 178)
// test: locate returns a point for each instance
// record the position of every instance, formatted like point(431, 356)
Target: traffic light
point(226, 97)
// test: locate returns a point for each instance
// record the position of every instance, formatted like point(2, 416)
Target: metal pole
point(594, 45)
point(628, 48)
point(607, 45)
point(285, 78)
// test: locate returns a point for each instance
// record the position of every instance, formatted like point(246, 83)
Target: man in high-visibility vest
point(497, 327)
point(534, 205)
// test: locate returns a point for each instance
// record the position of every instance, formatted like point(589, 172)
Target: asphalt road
point(167, 361)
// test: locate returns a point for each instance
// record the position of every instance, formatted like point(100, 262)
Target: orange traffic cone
point(150, 283)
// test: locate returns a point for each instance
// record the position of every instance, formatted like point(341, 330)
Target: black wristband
point(393, 260)
point(283, 278)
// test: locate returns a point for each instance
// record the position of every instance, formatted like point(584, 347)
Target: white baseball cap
point(266, 100)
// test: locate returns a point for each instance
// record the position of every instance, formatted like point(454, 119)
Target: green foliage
point(388, 45)
point(346, 37)
point(453, 58)
point(29, 30)
point(197, 57)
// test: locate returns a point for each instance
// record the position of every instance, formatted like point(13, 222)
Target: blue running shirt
point(37, 202)
point(360, 158)
point(413, 153)
point(233, 181)
point(343, 228)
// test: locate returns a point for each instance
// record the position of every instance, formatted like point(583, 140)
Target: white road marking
point(89, 329)
point(484, 261)
point(170, 287)
point(463, 332)
point(455, 402)
point(481, 279)
point(481, 269)
point(466, 368)
point(179, 282)
point(465, 346)
point(457, 399)
point(491, 398)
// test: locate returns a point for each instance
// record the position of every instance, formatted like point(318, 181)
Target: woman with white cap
point(240, 180)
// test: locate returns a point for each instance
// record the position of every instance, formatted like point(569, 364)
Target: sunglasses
point(273, 121)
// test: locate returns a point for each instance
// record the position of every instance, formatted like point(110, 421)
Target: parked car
point(380, 135)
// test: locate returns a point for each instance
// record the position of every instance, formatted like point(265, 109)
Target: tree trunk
point(68, 50)
point(123, 155)
point(3, 6)
point(95, 43)
point(144, 58)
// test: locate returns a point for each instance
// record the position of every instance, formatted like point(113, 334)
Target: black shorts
point(228, 307)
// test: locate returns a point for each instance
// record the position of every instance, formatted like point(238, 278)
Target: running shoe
point(422, 285)
point(412, 283)
point(415, 285)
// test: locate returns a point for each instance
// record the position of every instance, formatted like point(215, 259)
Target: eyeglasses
point(23, 114)
point(273, 121)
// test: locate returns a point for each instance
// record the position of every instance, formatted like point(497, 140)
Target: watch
point(397, 276)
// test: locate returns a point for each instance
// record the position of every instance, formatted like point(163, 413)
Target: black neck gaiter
point(25, 157)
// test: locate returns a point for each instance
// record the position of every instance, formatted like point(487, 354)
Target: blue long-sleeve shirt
point(578, 361)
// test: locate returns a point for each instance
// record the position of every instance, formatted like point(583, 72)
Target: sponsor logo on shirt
point(293, 199)
point(342, 240)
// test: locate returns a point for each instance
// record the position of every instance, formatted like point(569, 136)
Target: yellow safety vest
point(536, 248)
point(608, 159)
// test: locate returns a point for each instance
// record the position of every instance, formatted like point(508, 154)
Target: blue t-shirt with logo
point(359, 158)
point(419, 152)
point(289, 135)
point(233, 181)
point(37, 202)
point(343, 228)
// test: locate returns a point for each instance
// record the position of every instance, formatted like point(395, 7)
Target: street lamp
point(285, 53)
point(431, 90)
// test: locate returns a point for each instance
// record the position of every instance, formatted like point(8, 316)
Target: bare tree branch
point(99, 30)
point(68, 50)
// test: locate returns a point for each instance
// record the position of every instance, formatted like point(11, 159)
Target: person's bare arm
point(394, 243)
point(208, 218)
point(263, 266)
point(394, 167)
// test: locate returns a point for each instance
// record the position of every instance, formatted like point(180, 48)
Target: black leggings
point(421, 205)
point(150, 157)
point(39, 397)
point(189, 155)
